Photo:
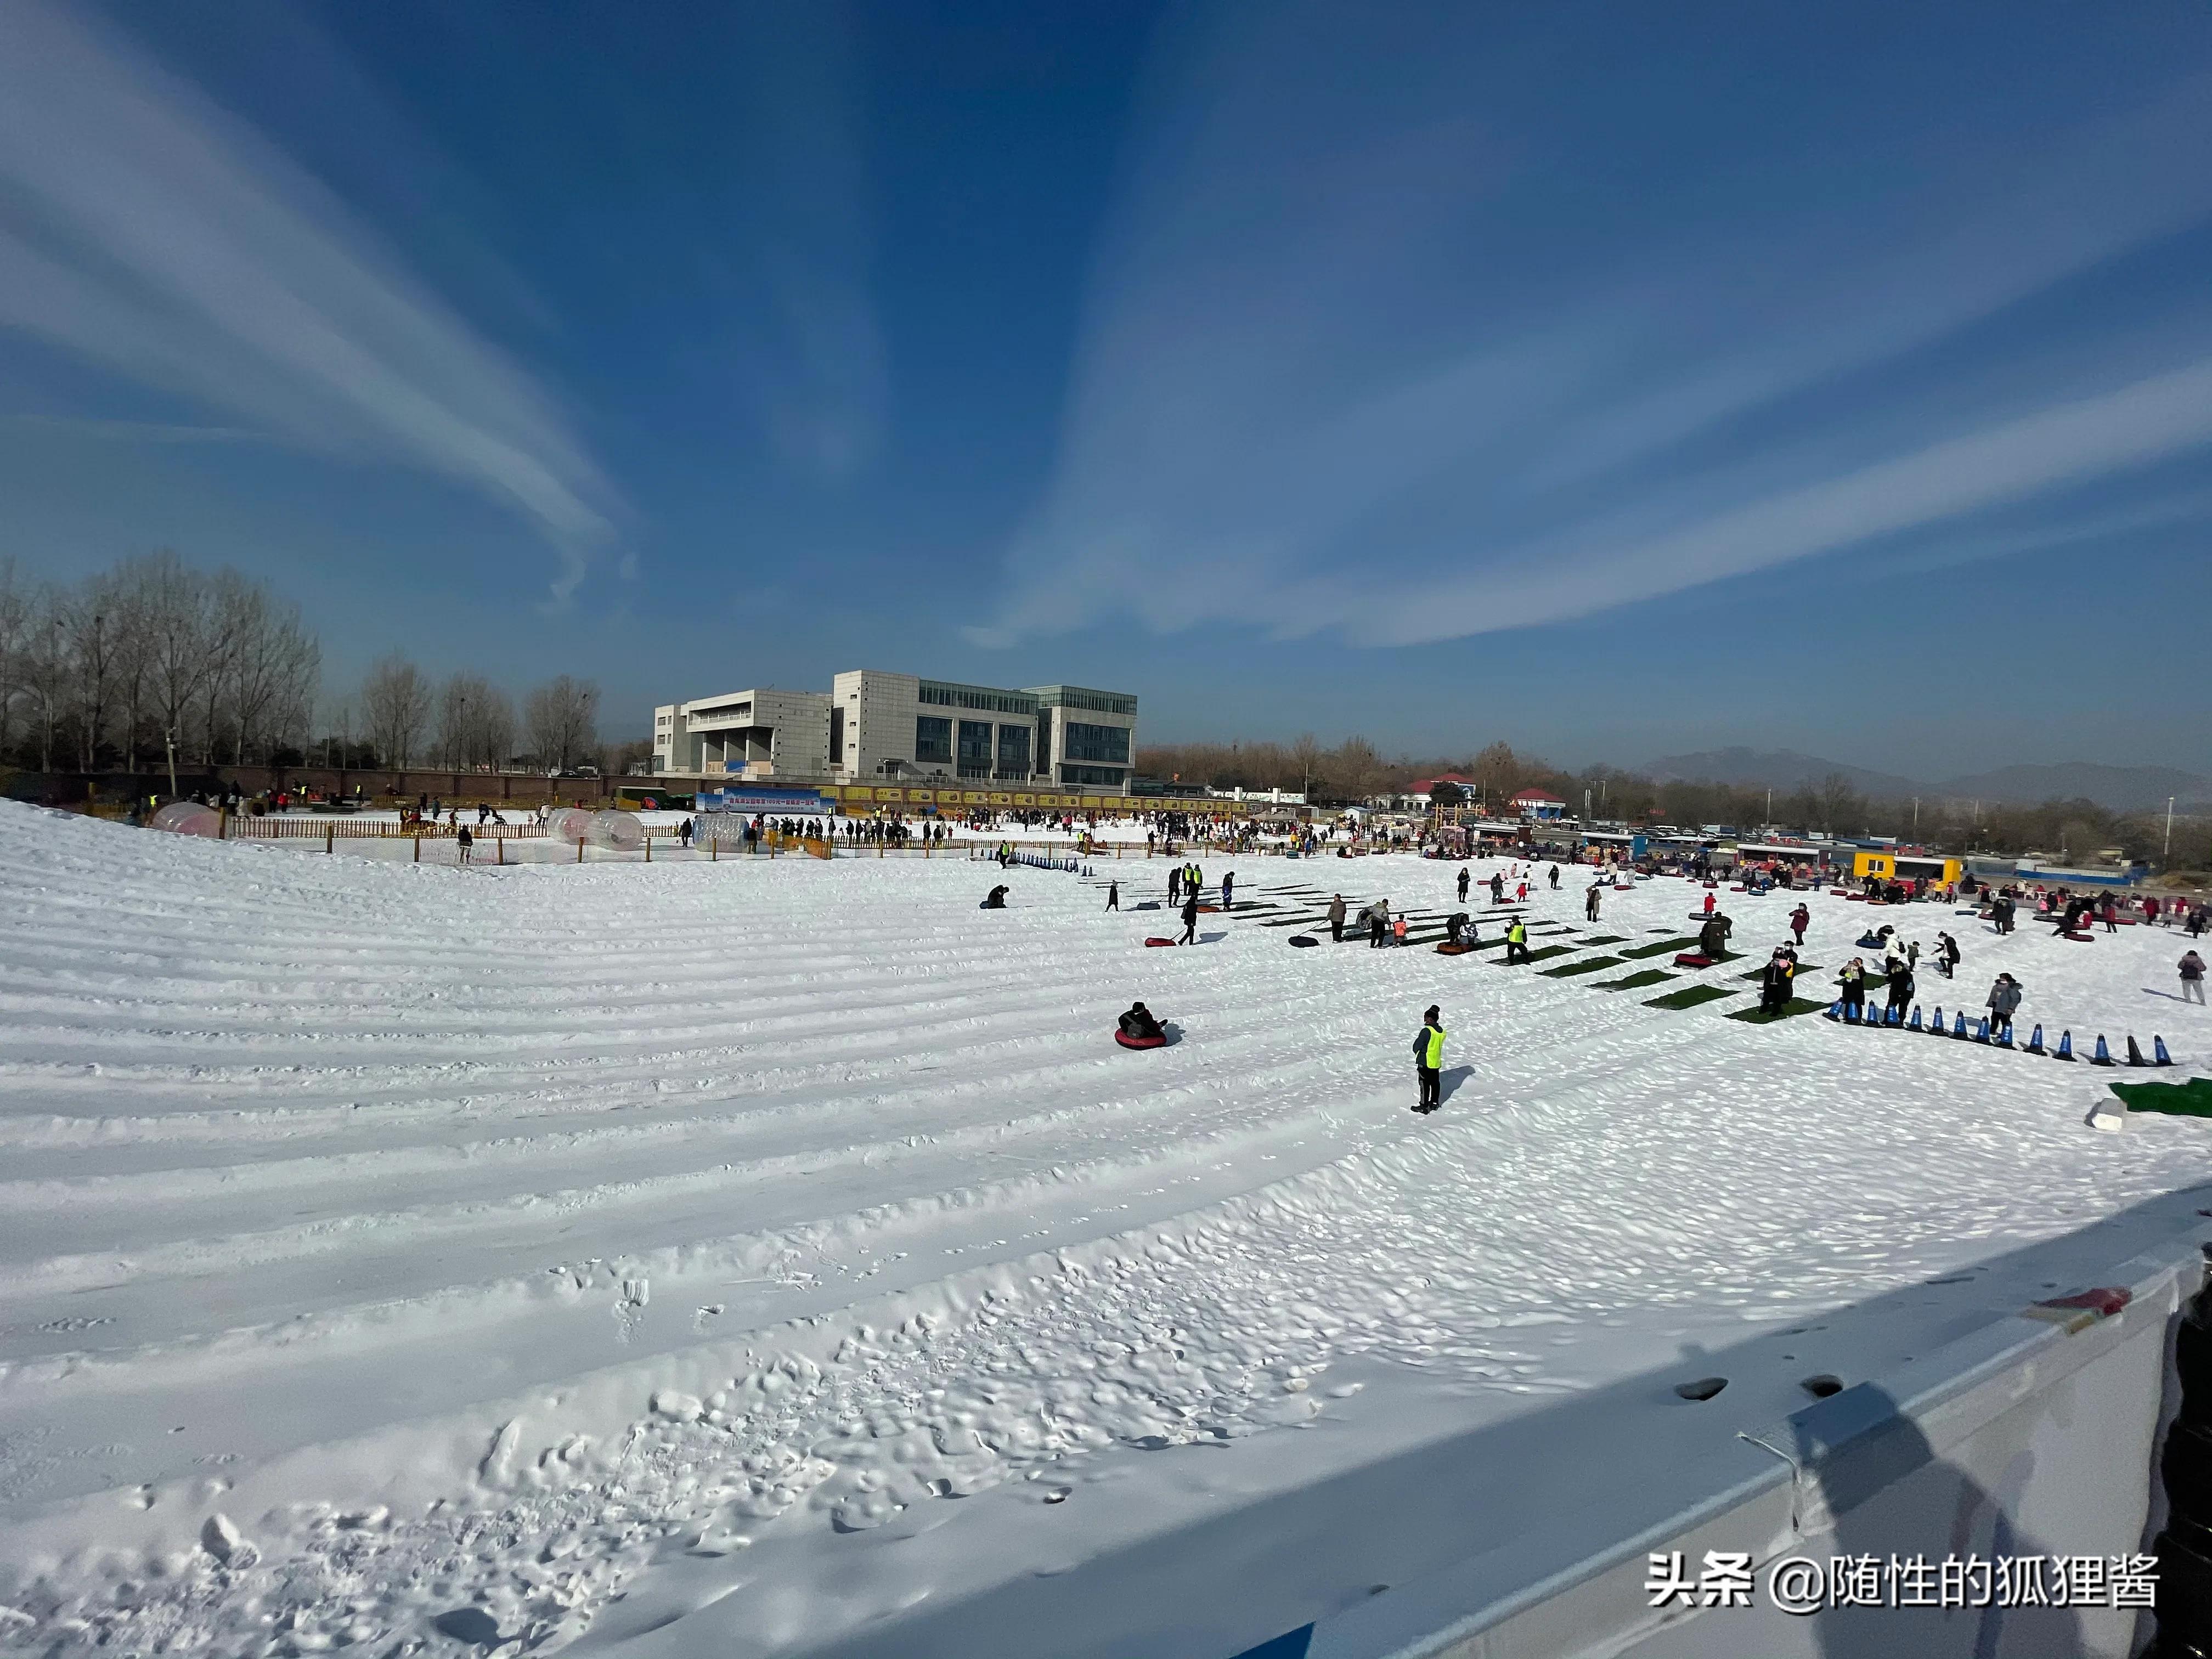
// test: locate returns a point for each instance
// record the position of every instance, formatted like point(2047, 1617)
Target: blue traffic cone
point(2158, 1056)
point(1982, 1031)
point(1916, 1017)
point(2035, 1042)
point(2104, 1056)
point(2135, 1054)
point(2065, 1045)
point(1836, 1009)
point(1959, 1029)
point(1938, 1026)
point(1892, 1015)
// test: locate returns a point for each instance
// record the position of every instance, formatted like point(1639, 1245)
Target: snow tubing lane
point(1160, 941)
point(1128, 1042)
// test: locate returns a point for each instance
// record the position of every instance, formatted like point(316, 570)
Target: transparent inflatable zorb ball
point(616, 830)
point(569, 824)
point(185, 817)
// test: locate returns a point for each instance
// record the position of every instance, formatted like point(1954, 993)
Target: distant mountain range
point(2120, 788)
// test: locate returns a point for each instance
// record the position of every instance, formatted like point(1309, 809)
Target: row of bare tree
point(467, 723)
point(146, 656)
point(153, 655)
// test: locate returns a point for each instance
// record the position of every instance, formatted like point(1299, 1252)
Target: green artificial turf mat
point(1797, 1005)
point(1690, 996)
point(1543, 955)
point(1588, 965)
point(1606, 938)
point(2190, 1099)
point(1663, 947)
point(1635, 981)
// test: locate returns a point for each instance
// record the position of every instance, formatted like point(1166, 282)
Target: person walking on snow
point(1429, 1061)
point(465, 841)
point(1336, 919)
point(1946, 954)
point(1496, 888)
point(1463, 880)
point(1709, 904)
point(1113, 895)
point(1228, 890)
point(2192, 979)
point(1516, 942)
point(1189, 918)
point(1520, 894)
point(2003, 1001)
point(1175, 886)
point(1901, 986)
point(1592, 899)
point(1378, 922)
point(1398, 929)
point(1555, 877)
point(1800, 920)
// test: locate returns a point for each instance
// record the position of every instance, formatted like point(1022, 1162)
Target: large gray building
point(875, 727)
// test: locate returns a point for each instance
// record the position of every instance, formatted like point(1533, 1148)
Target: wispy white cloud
point(144, 432)
point(142, 227)
point(2132, 427)
point(1357, 354)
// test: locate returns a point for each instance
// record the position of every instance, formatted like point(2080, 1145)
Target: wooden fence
point(246, 828)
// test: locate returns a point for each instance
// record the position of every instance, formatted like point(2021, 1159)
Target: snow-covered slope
point(656, 1252)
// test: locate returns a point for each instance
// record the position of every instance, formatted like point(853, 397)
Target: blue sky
point(1616, 380)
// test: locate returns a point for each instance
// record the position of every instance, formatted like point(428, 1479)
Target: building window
point(932, 738)
point(837, 736)
point(1096, 743)
point(1102, 702)
point(981, 698)
point(1109, 775)
point(1014, 751)
point(974, 749)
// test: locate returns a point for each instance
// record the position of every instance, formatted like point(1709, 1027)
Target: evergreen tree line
point(110, 672)
point(1354, 771)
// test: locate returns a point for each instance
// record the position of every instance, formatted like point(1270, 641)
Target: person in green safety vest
point(1516, 942)
point(1428, 1060)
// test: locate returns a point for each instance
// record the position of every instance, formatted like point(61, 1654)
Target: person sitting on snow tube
point(1137, 1027)
point(997, 901)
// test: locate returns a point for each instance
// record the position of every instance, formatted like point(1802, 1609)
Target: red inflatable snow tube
point(1694, 959)
point(1160, 941)
point(1128, 1042)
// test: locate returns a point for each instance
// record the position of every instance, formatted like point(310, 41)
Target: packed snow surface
point(773, 1256)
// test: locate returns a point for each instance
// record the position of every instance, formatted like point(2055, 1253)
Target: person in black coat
point(1852, 981)
point(1190, 919)
point(1139, 1022)
point(996, 900)
point(1114, 898)
point(1774, 983)
point(1900, 986)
